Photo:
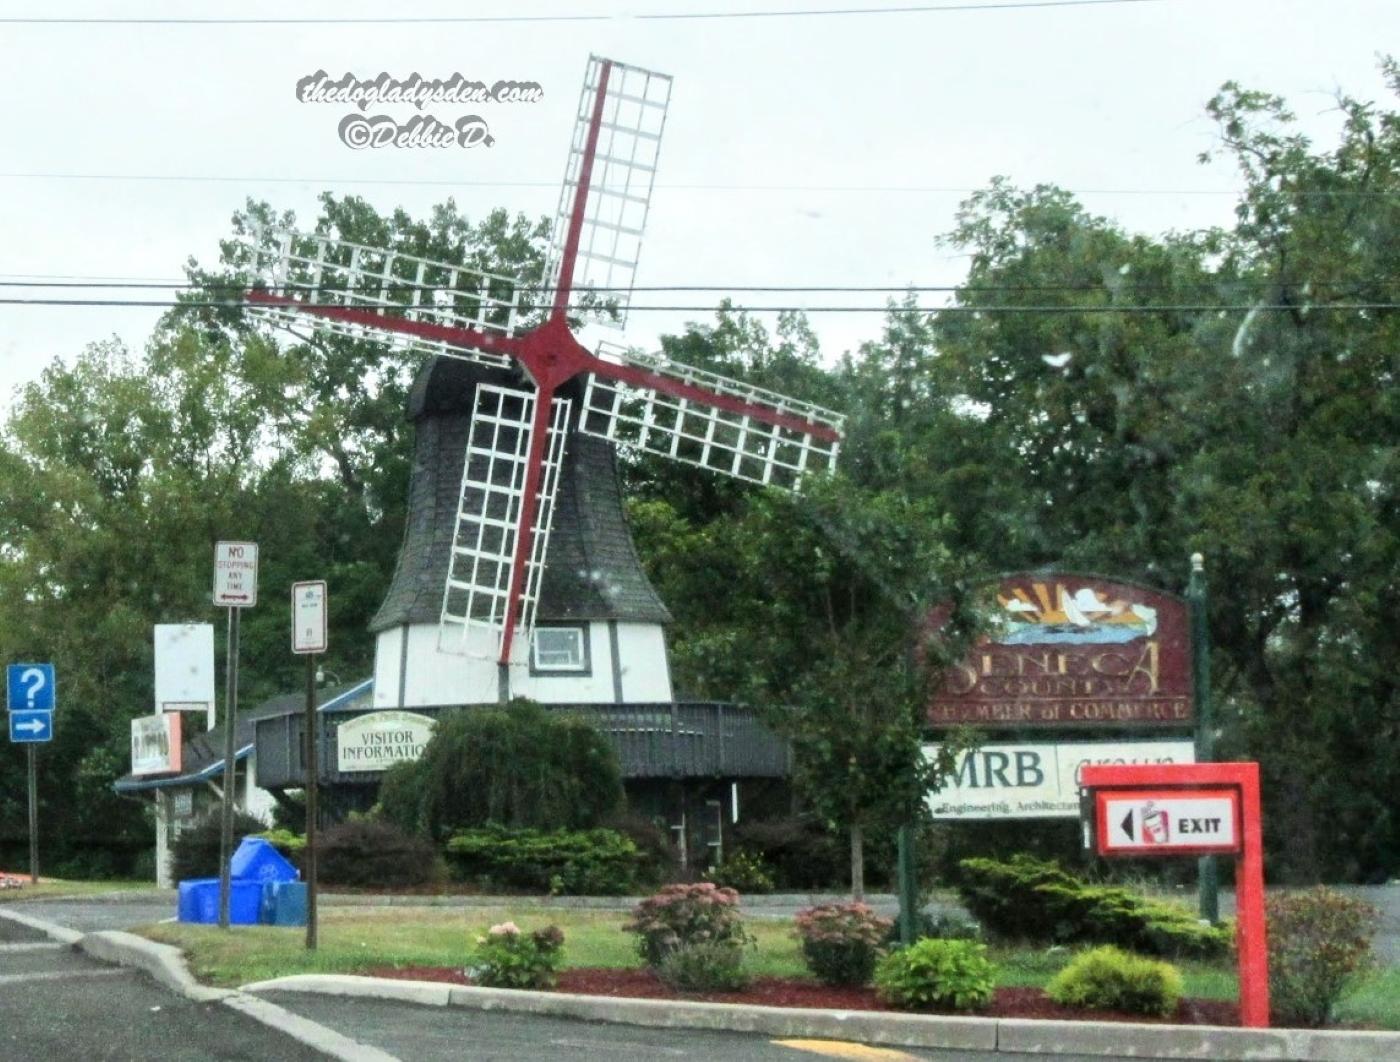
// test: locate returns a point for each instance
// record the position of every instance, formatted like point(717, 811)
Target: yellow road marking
point(842, 1049)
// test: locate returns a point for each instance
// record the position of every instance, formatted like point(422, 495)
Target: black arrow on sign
point(1128, 826)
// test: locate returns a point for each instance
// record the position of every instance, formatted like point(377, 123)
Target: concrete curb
point(62, 934)
point(165, 963)
point(323, 1039)
point(1115, 1040)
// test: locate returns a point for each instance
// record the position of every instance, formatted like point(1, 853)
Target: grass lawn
point(53, 889)
point(1376, 1001)
point(1031, 967)
point(356, 939)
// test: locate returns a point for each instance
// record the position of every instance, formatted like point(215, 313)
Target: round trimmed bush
point(371, 853)
point(681, 915)
point(1108, 978)
point(937, 973)
point(842, 941)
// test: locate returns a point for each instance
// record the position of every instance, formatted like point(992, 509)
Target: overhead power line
point(444, 182)
point(658, 16)
point(461, 182)
point(1221, 285)
point(1346, 307)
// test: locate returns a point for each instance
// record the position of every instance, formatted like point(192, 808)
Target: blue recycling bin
point(284, 903)
point(257, 860)
point(199, 901)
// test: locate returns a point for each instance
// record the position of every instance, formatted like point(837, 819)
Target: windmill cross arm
point(368, 319)
point(638, 376)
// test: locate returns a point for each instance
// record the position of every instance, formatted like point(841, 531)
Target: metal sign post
point(309, 608)
point(1208, 872)
point(33, 818)
point(1141, 810)
point(29, 696)
point(235, 587)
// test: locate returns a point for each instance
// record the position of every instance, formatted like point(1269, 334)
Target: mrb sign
point(1035, 780)
point(1073, 651)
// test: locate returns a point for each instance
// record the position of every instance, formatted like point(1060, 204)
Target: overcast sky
point(802, 150)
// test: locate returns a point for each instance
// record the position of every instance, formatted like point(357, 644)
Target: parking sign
point(236, 574)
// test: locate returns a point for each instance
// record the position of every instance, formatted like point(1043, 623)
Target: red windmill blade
point(517, 437)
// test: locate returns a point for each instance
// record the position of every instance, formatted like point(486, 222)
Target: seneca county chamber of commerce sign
point(377, 741)
point(1035, 780)
point(1073, 651)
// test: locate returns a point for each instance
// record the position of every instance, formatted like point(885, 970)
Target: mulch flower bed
point(785, 992)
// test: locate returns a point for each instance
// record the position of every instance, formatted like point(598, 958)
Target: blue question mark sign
point(30, 686)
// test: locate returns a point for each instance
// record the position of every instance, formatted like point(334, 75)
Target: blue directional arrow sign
point(29, 686)
point(30, 726)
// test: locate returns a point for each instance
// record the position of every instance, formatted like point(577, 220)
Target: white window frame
point(583, 665)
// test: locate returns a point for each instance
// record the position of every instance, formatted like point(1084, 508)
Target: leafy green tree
point(518, 766)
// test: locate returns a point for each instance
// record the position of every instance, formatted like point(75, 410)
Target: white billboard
point(185, 669)
point(155, 744)
point(1036, 780)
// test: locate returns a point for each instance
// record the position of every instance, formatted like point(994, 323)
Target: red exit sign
point(1158, 822)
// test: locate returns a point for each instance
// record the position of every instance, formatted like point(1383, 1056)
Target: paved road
point(56, 1003)
point(409, 1031)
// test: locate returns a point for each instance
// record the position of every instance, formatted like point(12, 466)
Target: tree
point(518, 766)
point(810, 607)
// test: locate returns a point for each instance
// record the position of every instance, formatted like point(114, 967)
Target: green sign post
point(1209, 872)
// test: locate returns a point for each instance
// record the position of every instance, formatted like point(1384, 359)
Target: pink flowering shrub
point(508, 958)
point(842, 941)
point(682, 915)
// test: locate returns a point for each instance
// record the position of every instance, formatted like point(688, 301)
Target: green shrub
point(372, 853)
point(744, 873)
point(144, 869)
point(937, 973)
point(679, 915)
point(568, 862)
point(1031, 899)
point(940, 927)
point(291, 846)
point(800, 851)
point(195, 852)
point(289, 812)
point(506, 957)
point(705, 966)
point(842, 941)
point(1109, 979)
point(517, 765)
point(657, 859)
point(1319, 943)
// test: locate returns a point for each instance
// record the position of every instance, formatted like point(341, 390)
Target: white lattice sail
point(620, 186)
point(478, 591)
point(706, 434)
point(320, 272)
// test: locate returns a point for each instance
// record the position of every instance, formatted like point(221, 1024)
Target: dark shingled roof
point(205, 749)
point(591, 571)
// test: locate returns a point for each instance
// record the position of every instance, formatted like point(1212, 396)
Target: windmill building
point(599, 633)
point(518, 576)
point(598, 646)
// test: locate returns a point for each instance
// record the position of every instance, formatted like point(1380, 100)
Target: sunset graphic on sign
point(1057, 613)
